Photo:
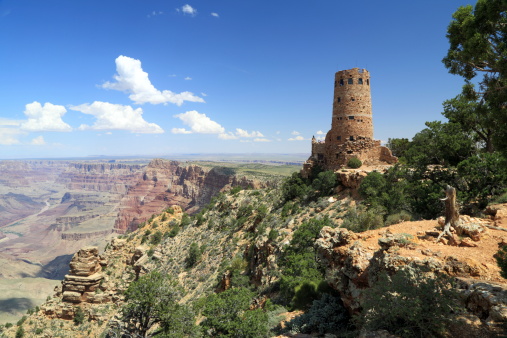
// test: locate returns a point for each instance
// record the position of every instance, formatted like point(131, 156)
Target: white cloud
point(9, 122)
point(200, 123)
point(132, 79)
point(320, 132)
point(188, 78)
point(297, 138)
point(204, 94)
point(227, 136)
point(44, 118)
point(295, 132)
point(9, 136)
point(320, 138)
point(180, 131)
point(38, 141)
point(187, 9)
point(214, 14)
point(244, 133)
point(261, 140)
point(117, 117)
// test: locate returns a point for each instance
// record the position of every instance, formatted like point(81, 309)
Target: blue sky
point(150, 78)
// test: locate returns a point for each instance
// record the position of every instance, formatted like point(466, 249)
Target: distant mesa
point(351, 133)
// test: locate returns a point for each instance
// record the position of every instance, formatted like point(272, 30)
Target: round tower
point(352, 117)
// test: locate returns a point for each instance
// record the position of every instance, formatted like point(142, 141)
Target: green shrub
point(304, 295)
point(156, 238)
point(38, 330)
point(228, 314)
point(500, 199)
point(402, 216)
point(359, 219)
point(194, 255)
point(21, 321)
point(174, 231)
point(326, 315)
point(501, 259)
point(354, 163)
point(8, 325)
point(235, 190)
point(79, 316)
point(185, 220)
point(169, 210)
point(20, 332)
point(410, 304)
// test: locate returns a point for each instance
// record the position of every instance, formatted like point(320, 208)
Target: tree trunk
point(451, 211)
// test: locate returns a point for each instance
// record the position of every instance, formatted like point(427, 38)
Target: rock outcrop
point(83, 283)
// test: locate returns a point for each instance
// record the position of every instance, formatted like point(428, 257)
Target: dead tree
point(451, 211)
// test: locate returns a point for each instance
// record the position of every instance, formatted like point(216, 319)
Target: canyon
point(51, 209)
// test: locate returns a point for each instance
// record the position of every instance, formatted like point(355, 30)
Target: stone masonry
point(351, 133)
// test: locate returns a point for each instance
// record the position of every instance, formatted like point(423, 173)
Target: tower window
point(339, 138)
point(352, 138)
point(341, 82)
point(352, 99)
point(351, 81)
point(351, 117)
point(368, 82)
point(335, 83)
point(339, 99)
point(360, 80)
point(320, 156)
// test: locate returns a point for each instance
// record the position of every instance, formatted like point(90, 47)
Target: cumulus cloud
point(295, 132)
point(180, 131)
point(320, 132)
point(131, 78)
point(9, 136)
point(38, 141)
point(297, 138)
point(187, 9)
point(111, 116)
point(188, 78)
point(261, 140)
point(44, 118)
point(243, 133)
point(200, 123)
point(227, 136)
point(214, 14)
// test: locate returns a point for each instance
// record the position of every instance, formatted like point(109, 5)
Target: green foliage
point(485, 177)
point(326, 315)
point(79, 316)
point(409, 304)
point(8, 325)
point(398, 146)
point(298, 262)
point(170, 210)
point(477, 52)
point(402, 216)
point(235, 190)
point(174, 231)
point(164, 217)
point(304, 295)
point(20, 332)
point(500, 199)
point(156, 238)
point(440, 143)
point(39, 331)
point(185, 220)
point(228, 314)
point(501, 259)
point(294, 188)
point(324, 183)
point(359, 219)
point(194, 255)
point(21, 320)
point(354, 163)
point(153, 299)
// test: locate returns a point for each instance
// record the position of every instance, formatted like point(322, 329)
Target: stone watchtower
point(352, 118)
point(351, 133)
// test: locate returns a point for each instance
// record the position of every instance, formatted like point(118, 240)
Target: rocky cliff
point(165, 183)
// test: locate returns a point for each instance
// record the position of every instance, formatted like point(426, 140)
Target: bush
point(409, 304)
point(79, 316)
point(501, 259)
point(359, 219)
point(156, 238)
point(194, 255)
point(304, 295)
point(402, 216)
point(185, 220)
point(228, 314)
point(20, 332)
point(326, 315)
point(354, 163)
